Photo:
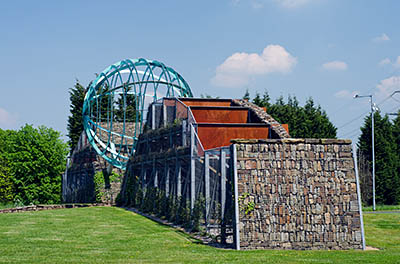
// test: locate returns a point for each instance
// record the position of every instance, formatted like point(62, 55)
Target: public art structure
point(137, 82)
point(223, 166)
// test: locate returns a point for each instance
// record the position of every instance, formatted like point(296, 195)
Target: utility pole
point(373, 146)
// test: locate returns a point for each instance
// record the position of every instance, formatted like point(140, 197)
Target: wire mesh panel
point(178, 180)
point(218, 193)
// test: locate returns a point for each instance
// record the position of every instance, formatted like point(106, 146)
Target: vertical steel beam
point(207, 185)
point(153, 116)
point(223, 182)
point(166, 171)
point(156, 179)
point(178, 181)
point(192, 168)
point(142, 175)
point(154, 173)
point(165, 117)
point(145, 179)
point(184, 126)
point(359, 197)
point(236, 197)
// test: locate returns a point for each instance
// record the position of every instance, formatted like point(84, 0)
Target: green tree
point(75, 121)
point(396, 136)
point(262, 101)
point(129, 107)
point(386, 158)
point(247, 95)
point(6, 186)
point(36, 160)
point(257, 100)
point(309, 121)
point(207, 96)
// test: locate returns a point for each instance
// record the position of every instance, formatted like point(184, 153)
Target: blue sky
point(327, 49)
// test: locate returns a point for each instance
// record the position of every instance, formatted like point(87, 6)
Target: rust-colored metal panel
point(206, 102)
point(169, 101)
point(212, 114)
point(218, 135)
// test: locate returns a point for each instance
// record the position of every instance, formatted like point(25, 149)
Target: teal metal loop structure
point(116, 104)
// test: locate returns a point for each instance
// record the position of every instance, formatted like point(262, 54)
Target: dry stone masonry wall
point(297, 194)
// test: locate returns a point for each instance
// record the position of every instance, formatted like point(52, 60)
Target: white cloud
point(238, 68)
point(235, 2)
point(384, 62)
point(397, 62)
point(345, 94)
point(387, 86)
point(381, 38)
point(335, 65)
point(257, 4)
point(292, 3)
point(7, 119)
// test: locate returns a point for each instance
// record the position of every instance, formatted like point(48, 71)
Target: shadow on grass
point(195, 238)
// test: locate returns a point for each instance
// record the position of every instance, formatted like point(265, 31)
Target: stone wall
point(297, 194)
point(41, 207)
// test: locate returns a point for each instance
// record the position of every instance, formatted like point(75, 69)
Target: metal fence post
point(156, 179)
point(223, 182)
point(236, 198)
point(142, 177)
point(359, 198)
point(164, 114)
point(184, 126)
point(192, 168)
point(153, 116)
point(207, 184)
point(154, 173)
point(178, 181)
point(166, 179)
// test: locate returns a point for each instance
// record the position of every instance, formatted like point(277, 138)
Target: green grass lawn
point(6, 205)
point(113, 235)
point(382, 208)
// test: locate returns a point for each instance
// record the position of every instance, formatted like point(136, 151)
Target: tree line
point(387, 159)
point(33, 159)
point(311, 121)
point(31, 163)
point(308, 121)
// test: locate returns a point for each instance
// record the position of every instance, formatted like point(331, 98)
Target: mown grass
point(6, 205)
point(382, 208)
point(113, 235)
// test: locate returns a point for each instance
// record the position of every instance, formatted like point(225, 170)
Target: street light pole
point(373, 147)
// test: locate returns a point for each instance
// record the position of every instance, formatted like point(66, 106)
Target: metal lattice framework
point(115, 106)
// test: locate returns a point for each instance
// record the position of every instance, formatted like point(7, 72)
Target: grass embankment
point(107, 234)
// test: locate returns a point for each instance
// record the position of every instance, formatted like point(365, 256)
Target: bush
point(35, 159)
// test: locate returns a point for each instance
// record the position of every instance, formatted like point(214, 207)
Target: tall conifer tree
point(75, 122)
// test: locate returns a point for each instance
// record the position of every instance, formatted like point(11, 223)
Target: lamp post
point(373, 147)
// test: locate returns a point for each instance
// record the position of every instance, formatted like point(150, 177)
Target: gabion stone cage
point(115, 105)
